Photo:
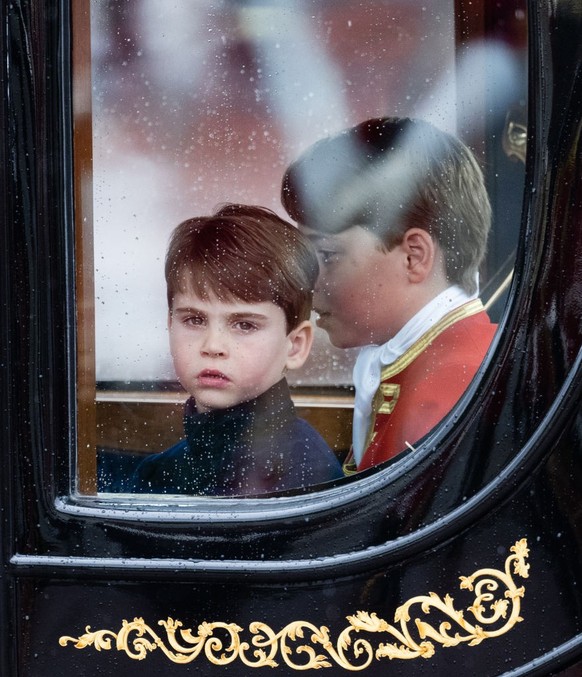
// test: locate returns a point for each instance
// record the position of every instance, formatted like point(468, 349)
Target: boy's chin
point(338, 342)
point(207, 404)
point(336, 335)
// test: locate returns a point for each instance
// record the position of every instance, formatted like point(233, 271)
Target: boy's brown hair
point(391, 174)
point(247, 253)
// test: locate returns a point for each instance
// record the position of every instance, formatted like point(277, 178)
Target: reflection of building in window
point(207, 104)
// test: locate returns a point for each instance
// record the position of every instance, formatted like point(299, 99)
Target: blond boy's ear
point(300, 341)
point(421, 253)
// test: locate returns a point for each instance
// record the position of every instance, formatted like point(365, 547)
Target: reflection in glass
point(209, 103)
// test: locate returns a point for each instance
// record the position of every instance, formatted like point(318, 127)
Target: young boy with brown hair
point(239, 286)
point(400, 216)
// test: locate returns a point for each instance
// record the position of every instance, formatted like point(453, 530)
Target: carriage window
point(184, 106)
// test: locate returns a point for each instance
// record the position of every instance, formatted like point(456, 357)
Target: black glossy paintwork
point(506, 465)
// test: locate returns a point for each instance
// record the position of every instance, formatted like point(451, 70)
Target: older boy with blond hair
point(400, 216)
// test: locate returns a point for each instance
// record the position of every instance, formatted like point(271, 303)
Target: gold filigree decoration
point(411, 636)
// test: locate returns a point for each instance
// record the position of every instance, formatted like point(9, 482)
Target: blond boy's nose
point(321, 288)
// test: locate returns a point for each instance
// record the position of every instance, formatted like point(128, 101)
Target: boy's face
point(361, 291)
point(227, 353)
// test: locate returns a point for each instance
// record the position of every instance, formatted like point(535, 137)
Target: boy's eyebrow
point(317, 238)
point(234, 316)
point(187, 309)
point(330, 241)
point(314, 236)
point(248, 316)
point(311, 233)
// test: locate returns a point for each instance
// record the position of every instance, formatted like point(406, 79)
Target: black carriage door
point(119, 119)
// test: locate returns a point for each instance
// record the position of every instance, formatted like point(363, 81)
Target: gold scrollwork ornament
point(221, 643)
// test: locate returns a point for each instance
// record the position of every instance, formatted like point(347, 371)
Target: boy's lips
point(213, 378)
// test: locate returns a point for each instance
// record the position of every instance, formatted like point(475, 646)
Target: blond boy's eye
point(195, 320)
point(327, 256)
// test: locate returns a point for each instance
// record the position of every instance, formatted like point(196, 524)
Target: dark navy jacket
point(252, 448)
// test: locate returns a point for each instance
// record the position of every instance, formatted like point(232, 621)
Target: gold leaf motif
point(466, 583)
point(220, 643)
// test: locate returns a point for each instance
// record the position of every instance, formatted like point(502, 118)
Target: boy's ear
point(300, 341)
point(421, 253)
point(169, 319)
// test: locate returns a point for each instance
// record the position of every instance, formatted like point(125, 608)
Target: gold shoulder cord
point(464, 311)
point(494, 611)
point(387, 394)
point(349, 466)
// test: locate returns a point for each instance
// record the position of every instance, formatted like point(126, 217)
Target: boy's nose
point(321, 288)
point(214, 344)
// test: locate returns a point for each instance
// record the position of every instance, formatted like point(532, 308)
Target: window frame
point(80, 502)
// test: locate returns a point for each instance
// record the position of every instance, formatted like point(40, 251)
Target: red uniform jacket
point(422, 386)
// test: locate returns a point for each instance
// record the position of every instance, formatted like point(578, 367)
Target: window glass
point(197, 104)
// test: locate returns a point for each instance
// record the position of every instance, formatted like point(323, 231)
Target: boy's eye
point(327, 256)
point(194, 320)
point(245, 325)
